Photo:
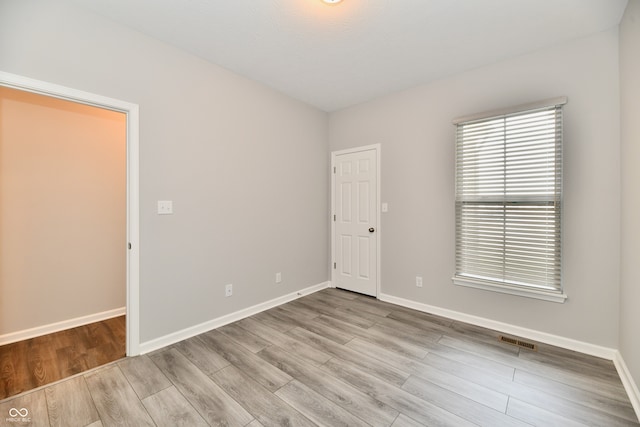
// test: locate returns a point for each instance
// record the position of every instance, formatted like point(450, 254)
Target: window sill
point(511, 290)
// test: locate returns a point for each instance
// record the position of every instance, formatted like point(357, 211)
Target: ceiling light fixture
point(332, 1)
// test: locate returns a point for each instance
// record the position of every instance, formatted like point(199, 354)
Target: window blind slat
point(508, 193)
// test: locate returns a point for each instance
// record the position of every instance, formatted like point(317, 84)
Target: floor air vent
point(519, 343)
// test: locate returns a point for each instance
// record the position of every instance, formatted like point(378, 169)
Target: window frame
point(531, 291)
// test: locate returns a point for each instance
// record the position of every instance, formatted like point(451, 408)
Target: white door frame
point(334, 154)
point(133, 196)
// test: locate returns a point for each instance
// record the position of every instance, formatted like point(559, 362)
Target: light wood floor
point(339, 359)
point(28, 364)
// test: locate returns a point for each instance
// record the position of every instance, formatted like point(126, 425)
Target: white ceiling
point(334, 56)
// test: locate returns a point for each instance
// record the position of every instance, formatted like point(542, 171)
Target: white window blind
point(508, 200)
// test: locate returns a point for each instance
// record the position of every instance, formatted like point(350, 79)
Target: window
point(509, 201)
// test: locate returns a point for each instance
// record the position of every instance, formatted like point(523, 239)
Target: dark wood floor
point(26, 365)
point(335, 358)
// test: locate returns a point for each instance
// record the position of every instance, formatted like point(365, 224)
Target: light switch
point(385, 207)
point(165, 207)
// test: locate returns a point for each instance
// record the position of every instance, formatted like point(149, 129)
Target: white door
point(355, 200)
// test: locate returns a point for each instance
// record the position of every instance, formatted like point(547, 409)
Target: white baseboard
point(543, 337)
point(192, 331)
point(629, 384)
point(60, 326)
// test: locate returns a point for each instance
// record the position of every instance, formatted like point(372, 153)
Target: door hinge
point(129, 244)
point(334, 217)
point(334, 265)
point(334, 169)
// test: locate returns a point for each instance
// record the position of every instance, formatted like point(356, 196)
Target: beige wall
point(630, 154)
point(245, 166)
point(62, 210)
point(417, 137)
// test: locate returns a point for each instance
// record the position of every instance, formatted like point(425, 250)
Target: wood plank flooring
point(29, 364)
point(335, 358)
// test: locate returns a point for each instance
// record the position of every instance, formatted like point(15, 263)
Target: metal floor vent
point(523, 344)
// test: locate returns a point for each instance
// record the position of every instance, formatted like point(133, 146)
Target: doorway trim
point(377, 148)
point(131, 111)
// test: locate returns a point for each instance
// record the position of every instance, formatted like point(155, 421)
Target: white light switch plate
point(385, 207)
point(165, 207)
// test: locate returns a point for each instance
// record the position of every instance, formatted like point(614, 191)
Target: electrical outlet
point(278, 277)
point(419, 281)
point(228, 290)
point(165, 207)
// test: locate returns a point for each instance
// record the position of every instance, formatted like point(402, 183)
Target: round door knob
point(371, 230)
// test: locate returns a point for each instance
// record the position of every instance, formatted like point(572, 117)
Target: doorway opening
point(70, 247)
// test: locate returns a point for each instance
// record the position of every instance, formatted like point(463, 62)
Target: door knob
point(371, 230)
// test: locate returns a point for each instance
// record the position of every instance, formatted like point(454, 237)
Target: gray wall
point(246, 167)
point(417, 137)
point(630, 101)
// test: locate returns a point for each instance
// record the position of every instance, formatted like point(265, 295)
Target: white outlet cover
point(165, 207)
point(385, 207)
